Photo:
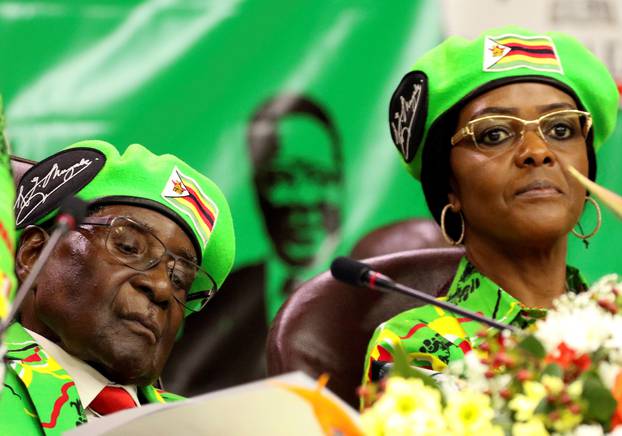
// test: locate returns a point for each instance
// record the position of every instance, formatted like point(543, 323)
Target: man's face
point(299, 189)
point(121, 321)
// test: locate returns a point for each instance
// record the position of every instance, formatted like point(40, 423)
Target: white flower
point(605, 285)
point(583, 329)
point(614, 342)
point(588, 430)
point(471, 369)
point(500, 382)
point(616, 431)
point(608, 373)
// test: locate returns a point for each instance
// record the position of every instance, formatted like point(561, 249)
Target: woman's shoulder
point(431, 338)
point(419, 317)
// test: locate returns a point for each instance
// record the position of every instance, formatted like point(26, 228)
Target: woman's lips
point(539, 188)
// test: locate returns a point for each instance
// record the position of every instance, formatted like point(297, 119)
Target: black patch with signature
point(408, 110)
point(45, 185)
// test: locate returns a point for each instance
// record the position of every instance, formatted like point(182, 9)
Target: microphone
point(358, 273)
point(71, 213)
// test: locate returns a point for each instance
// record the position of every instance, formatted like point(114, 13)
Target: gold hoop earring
point(444, 230)
point(599, 220)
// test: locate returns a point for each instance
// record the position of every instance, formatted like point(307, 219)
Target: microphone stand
point(384, 283)
point(358, 273)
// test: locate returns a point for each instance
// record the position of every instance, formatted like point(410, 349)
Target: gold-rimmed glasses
point(497, 133)
point(135, 246)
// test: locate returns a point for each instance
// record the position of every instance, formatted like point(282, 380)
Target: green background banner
point(186, 76)
point(247, 91)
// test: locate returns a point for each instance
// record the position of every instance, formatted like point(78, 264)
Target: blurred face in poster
point(298, 182)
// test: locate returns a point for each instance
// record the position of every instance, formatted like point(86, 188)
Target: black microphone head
point(74, 207)
point(349, 270)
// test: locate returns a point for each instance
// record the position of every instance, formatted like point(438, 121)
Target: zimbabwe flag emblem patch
point(186, 196)
point(507, 52)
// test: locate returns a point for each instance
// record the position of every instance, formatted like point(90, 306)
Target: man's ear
point(32, 241)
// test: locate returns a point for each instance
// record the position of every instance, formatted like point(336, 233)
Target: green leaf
point(532, 346)
point(543, 407)
point(554, 370)
point(600, 402)
point(402, 368)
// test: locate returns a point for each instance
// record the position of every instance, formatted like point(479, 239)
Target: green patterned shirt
point(433, 337)
point(39, 397)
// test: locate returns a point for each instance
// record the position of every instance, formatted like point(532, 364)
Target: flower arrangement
point(562, 376)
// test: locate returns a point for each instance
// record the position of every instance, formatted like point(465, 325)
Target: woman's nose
point(533, 150)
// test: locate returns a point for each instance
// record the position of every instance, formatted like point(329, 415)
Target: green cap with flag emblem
point(96, 172)
point(460, 69)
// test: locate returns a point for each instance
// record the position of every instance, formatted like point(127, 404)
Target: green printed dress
point(39, 397)
point(433, 337)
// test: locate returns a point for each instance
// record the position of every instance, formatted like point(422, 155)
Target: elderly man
point(100, 322)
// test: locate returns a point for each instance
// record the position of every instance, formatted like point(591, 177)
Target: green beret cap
point(459, 69)
point(96, 172)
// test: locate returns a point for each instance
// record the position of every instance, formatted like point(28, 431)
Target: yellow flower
point(407, 408)
point(554, 384)
point(533, 427)
point(419, 423)
point(408, 395)
point(469, 413)
point(372, 423)
point(575, 389)
point(525, 404)
point(567, 421)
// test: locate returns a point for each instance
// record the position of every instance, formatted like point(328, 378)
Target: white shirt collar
point(89, 382)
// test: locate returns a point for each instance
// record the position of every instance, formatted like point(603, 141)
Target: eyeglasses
point(135, 246)
point(497, 133)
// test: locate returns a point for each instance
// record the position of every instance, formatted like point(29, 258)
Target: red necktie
point(112, 399)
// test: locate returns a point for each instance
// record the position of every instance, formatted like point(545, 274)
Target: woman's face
point(524, 194)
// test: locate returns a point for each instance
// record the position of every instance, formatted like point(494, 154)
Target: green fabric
point(433, 338)
point(39, 397)
point(140, 174)
point(455, 69)
point(7, 223)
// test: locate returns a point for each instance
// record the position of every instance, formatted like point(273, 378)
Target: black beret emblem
point(407, 113)
point(46, 184)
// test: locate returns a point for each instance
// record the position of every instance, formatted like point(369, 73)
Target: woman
point(489, 126)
